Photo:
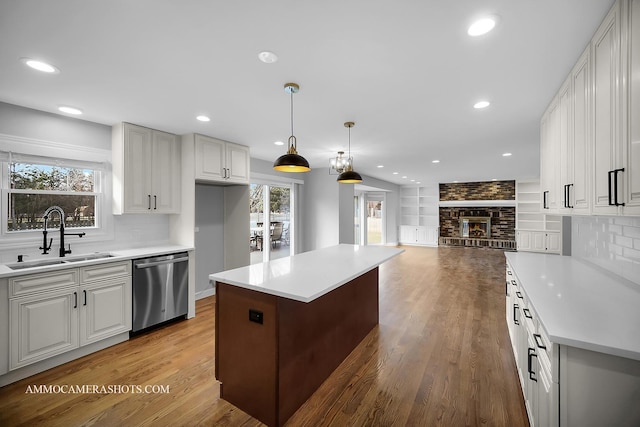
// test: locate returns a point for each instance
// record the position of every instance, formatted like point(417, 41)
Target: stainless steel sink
point(32, 264)
point(57, 261)
point(89, 257)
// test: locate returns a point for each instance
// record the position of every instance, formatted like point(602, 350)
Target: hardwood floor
point(439, 357)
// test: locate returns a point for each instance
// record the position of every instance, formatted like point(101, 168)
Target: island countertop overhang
point(307, 276)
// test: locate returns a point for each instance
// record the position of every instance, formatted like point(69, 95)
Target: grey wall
point(320, 210)
point(392, 194)
point(128, 230)
point(35, 124)
point(209, 235)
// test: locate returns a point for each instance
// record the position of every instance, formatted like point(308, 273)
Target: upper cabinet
point(631, 107)
point(221, 161)
point(589, 140)
point(146, 170)
point(605, 49)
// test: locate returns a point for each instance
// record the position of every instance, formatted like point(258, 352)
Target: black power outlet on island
point(255, 316)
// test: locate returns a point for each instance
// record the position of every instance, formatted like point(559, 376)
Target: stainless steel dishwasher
point(160, 289)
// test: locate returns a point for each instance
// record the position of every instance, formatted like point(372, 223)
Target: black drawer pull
point(515, 314)
point(539, 341)
point(531, 355)
point(519, 295)
point(527, 313)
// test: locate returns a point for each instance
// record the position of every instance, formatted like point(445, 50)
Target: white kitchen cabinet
point(605, 53)
point(105, 309)
point(221, 161)
point(56, 312)
point(42, 325)
point(631, 108)
point(577, 185)
point(565, 385)
point(146, 170)
point(550, 157)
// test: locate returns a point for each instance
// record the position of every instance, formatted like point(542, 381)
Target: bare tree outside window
point(33, 188)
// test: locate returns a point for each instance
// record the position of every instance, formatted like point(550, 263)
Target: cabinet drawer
point(105, 271)
point(43, 282)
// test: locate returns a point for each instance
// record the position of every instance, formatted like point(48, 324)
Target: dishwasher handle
point(163, 262)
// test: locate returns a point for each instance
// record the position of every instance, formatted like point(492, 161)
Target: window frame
point(25, 150)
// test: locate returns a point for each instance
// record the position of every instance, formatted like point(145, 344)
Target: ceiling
point(405, 72)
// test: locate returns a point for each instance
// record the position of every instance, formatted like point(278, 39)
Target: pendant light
point(349, 176)
point(292, 161)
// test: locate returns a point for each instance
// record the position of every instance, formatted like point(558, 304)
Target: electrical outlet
point(255, 316)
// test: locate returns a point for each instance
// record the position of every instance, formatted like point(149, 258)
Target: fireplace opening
point(478, 227)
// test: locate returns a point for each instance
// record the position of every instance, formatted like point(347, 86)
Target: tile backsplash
point(612, 243)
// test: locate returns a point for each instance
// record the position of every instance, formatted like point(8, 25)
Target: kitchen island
point(282, 327)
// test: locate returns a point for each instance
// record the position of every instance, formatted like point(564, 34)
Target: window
point(32, 184)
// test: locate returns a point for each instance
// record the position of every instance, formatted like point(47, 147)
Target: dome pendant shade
point(292, 161)
point(349, 176)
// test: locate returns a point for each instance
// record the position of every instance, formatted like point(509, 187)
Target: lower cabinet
point(564, 385)
point(52, 313)
point(419, 235)
point(539, 241)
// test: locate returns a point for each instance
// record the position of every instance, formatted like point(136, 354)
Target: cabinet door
point(524, 240)
point(137, 169)
point(631, 147)
point(579, 193)
point(606, 64)
point(237, 163)
point(550, 158)
point(538, 241)
point(42, 326)
point(553, 242)
point(166, 176)
point(408, 234)
point(565, 166)
point(210, 158)
point(105, 309)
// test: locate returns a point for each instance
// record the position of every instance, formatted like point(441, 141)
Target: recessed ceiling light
point(413, 180)
point(267, 57)
point(418, 182)
point(481, 104)
point(506, 154)
point(203, 118)
point(380, 166)
point(404, 177)
point(482, 26)
point(40, 66)
point(70, 110)
point(279, 143)
point(395, 173)
point(435, 161)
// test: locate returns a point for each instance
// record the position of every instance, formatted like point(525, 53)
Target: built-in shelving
point(419, 215)
point(536, 231)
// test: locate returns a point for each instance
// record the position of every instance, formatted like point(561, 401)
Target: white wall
point(610, 242)
point(320, 210)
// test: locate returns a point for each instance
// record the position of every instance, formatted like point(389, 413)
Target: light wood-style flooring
point(439, 357)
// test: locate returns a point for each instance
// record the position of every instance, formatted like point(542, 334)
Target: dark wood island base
point(273, 352)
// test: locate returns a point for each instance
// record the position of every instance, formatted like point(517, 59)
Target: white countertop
point(580, 305)
point(309, 275)
point(116, 255)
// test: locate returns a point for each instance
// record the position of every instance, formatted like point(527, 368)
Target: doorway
point(271, 235)
point(370, 220)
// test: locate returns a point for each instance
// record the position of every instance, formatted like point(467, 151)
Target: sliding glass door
point(270, 234)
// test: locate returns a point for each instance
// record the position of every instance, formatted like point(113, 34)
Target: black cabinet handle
point(530, 356)
point(515, 314)
point(544, 200)
point(567, 196)
point(615, 187)
point(84, 291)
point(519, 295)
point(148, 201)
point(539, 342)
point(155, 202)
point(509, 272)
point(514, 283)
point(75, 300)
point(527, 313)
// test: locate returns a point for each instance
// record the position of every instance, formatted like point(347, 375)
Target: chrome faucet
point(46, 248)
